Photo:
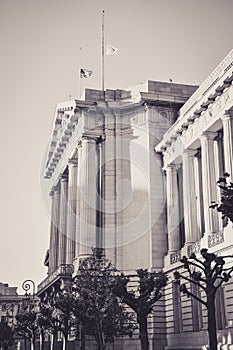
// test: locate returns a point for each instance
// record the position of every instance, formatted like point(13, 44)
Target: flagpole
point(81, 58)
point(102, 52)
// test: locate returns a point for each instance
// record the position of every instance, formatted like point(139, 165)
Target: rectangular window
point(177, 307)
point(220, 310)
point(196, 308)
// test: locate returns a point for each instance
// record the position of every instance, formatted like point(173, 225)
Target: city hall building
point(134, 172)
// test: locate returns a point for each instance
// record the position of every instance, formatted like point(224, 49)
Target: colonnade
point(73, 210)
point(208, 187)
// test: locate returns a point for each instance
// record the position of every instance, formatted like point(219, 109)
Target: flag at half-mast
point(85, 73)
point(111, 50)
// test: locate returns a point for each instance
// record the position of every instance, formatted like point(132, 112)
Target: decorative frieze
point(175, 257)
point(172, 147)
point(215, 239)
point(209, 83)
point(203, 108)
point(194, 248)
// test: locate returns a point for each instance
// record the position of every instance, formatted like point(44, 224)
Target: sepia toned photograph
point(117, 175)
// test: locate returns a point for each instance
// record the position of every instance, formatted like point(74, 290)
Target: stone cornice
point(163, 99)
point(77, 119)
point(208, 94)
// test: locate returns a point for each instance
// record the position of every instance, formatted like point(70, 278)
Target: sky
point(182, 40)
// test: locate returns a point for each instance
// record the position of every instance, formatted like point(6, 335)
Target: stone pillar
point(53, 254)
point(63, 220)
point(88, 195)
point(52, 233)
point(209, 181)
point(54, 194)
point(227, 120)
point(172, 209)
point(79, 172)
point(109, 188)
point(71, 211)
point(190, 203)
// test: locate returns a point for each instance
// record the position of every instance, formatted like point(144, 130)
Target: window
point(220, 310)
point(177, 307)
point(196, 308)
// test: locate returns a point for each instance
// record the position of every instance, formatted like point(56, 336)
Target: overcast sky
point(182, 40)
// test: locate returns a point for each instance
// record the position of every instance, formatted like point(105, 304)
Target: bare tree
point(143, 299)
point(97, 308)
point(208, 275)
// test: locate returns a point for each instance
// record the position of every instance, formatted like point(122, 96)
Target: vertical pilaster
point(172, 209)
point(109, 185)
point(63, 220)
point(79, 172)
point(55, 227)
point(190, 204)
point(227, 120)
point(52, 234)
point(88, 197)
point(71, 211)
point(209, 180)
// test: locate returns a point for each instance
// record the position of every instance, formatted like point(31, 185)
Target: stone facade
point(198, 148)
point(134, 172)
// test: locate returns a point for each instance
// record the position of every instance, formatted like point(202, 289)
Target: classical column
point(189, 195)
point(109, 187)
point(53, 249)
point(173, 218)
point(54, 194)
point(209, 180)
point(52, 233)
point(88, 197)
point(71, 211)
point(79, 173)
point(63, 220)
point(227, 120)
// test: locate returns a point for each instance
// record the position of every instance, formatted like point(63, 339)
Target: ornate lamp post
point(29, 287)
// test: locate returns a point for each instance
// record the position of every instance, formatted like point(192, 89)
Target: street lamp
point(29, 287)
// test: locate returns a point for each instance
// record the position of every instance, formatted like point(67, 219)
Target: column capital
point(189, 153)
point(228, 114)
point(72, 162)
point(91, 139)
point(56, 189)
point(51, 193)
point(170, 167)
point(208, 135)
point(79, 144)
point(64, 177)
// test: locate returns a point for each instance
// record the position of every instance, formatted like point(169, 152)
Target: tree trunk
point(83, 336)
point(33, 342)
point(143, 335)
point(41, 340)
point(65, 340)
point(25, 343)
point(100, 337)
point(52, 344)
point(211, 322)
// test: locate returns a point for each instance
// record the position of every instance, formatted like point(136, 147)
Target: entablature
point(201, 112)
